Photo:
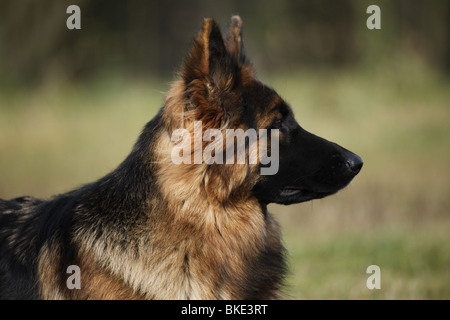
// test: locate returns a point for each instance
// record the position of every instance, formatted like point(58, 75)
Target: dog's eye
point(278, 123)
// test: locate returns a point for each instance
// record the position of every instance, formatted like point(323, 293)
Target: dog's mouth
point(297, 194)
point(289, 192)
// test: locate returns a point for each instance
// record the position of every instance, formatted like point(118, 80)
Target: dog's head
point(218, 89)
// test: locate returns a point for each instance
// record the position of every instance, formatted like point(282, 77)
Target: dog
point(157, 229)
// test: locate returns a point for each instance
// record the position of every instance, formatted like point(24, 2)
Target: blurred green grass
point(395, 214)
point(413, 265)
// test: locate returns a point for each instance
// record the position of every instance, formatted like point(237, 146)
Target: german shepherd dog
point(155, 229)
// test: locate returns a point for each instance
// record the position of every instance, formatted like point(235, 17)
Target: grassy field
point(395, 214)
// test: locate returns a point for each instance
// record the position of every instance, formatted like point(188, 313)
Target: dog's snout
point(355, 163)
point(349, 161)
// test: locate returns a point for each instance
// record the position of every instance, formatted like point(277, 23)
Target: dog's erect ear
point(233, 39)
point(235, 44)
point(209, 60)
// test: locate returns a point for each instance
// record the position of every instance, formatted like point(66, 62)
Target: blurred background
point(73, 102)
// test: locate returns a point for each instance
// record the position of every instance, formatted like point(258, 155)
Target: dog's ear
point(235, 44)
point(233, 39)
point(209, 60)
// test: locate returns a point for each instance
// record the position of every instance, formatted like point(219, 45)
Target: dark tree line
point(143, 38)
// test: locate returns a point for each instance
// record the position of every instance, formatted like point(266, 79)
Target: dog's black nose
point(355, 163)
